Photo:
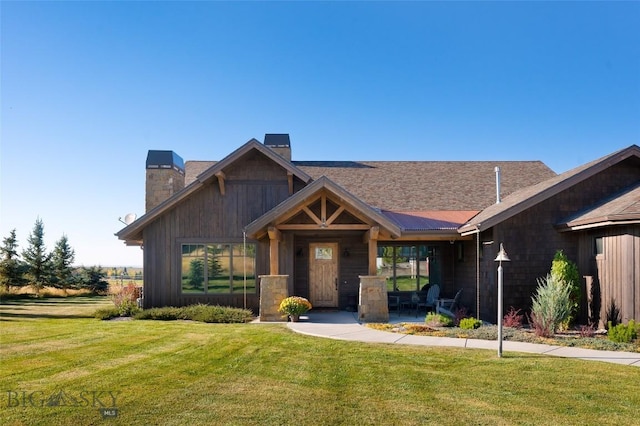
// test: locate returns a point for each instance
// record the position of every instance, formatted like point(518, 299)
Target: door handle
point(336, 284)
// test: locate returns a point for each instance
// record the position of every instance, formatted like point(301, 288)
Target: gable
point(249, 162)
point(616, 171)
point(322, 205)
point(622, 208)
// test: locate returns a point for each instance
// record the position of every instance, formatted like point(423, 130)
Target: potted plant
point(294, 306)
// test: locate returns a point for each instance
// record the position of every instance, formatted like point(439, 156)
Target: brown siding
point(531, 239)
point(253, 186)
point(617, 271)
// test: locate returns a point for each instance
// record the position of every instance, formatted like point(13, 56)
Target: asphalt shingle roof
point(418, 185)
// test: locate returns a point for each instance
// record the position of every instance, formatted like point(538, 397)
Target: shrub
point(551, 306)
point(198, 312)
point(470, 323)
point(587, 330)
point(513, 318)
point(126, 300)
point(438, 320)
point(623, 333)
point(613, 314)
point(167, 313)
point(107, 313)
point(567, 271)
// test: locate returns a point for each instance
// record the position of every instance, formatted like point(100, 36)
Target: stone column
point(373, 305)
point(273, 289)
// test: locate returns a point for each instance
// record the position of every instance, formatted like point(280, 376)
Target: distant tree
point(38, 261)
point(214, 267)
point(93, 279)
point(62, 259)
point(11, 268)
point(196, 274)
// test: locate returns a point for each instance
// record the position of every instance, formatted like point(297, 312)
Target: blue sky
point(89, 87)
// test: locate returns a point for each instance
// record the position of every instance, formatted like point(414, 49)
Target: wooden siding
point(253, 186)
point(616, 272)
point(531, 239)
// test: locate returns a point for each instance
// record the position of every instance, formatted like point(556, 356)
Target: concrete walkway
point(344, 325)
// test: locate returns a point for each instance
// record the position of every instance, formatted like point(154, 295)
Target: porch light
point(501, 257)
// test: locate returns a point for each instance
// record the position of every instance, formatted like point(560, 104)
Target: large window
point(408, 268)
point(218, 268)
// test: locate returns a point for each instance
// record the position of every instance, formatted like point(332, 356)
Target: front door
point(323, 274)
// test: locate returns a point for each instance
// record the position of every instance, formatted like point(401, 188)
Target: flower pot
point(294, 317)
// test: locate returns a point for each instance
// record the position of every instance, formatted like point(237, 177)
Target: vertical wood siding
point(253, 186)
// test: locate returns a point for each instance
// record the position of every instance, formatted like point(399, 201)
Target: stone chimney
point(165, 177)
point(280, 143)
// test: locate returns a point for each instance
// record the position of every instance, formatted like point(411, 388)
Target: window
point(598, 246)
point(407, 268)
point(218, 268)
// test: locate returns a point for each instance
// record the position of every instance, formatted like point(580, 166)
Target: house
point(346, 233)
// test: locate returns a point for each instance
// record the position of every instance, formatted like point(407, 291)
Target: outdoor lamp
point(501, 257)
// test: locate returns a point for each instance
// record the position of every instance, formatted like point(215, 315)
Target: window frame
point(236, 265)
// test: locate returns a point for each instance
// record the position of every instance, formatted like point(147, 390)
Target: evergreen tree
point(11, 268)
point(39, 267)
point(62, 259)
point(566, 271)
point(93, 278)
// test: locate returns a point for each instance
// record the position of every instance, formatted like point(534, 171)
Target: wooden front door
point(323, 274)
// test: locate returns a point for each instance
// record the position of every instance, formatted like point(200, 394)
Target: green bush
point(623, 333)
point(551, 305)
point(470, 323)
point(566, 271)
point(168, 313)
point(198, 312)
point(438, 320)
point(107, 313)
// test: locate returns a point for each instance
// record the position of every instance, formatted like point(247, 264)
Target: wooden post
point(274, 237)
point(371, 237)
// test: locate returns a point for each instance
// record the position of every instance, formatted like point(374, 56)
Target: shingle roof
point(418, 185)
point(532, 195)
point(622, 207)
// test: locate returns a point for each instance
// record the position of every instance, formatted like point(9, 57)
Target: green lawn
point(177, 373)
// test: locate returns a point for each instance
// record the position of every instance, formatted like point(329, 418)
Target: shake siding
point(531, 239)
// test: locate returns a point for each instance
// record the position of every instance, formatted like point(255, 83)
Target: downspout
point(244, 264)
point(478, 274)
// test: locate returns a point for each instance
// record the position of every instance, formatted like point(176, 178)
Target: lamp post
point(501, 257)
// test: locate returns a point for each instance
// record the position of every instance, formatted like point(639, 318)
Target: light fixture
point(501, 257)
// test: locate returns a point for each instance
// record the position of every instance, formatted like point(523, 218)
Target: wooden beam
point(371, 234)
point(313, 227)
point(312, 215)
point(274, 237)
point(221, 176)
point(290, 180)
point(335, 215)
point(373, 257)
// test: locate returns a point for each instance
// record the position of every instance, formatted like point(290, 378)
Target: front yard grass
point(176, 373)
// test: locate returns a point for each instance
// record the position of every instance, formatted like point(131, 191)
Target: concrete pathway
point(344, 325)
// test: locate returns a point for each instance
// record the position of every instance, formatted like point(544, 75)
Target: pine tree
point(39, 267)
point(93, 279)
point(11, 268)
point(62, 259)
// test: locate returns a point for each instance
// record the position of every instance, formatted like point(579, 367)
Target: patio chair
point(449, 307)
point(429, 303)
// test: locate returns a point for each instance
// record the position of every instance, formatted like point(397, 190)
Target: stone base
point(273, 289)
point(373, 305)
